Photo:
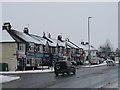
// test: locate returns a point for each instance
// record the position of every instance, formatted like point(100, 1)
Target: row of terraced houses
point(22, 50)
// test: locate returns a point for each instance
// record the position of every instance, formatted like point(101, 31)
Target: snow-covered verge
point(28, 71)
point(98, 64)
point(4, 78)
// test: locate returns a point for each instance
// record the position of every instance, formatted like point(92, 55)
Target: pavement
point(7, 77)
point(29, 71)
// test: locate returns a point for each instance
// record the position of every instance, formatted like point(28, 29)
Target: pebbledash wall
point(9, 54)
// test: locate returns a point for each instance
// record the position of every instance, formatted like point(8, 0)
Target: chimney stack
point(49, 35)
point(60, 37)
point(26, 30)
point(6, 26)
point(43, 34)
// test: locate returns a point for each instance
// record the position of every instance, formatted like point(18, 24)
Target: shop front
point(46, 60)
point(30, 61)
point(38, 59)
point(21, 62)
point(55, 57)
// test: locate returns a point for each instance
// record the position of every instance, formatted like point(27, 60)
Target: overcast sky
point(68, 19)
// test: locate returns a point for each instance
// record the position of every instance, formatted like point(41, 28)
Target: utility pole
point(89, 37)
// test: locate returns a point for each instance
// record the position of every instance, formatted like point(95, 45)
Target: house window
point(21, 46)
point(37, 48)
point(31, 47)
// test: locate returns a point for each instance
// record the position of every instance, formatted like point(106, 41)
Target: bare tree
point(117, 52)
point(106, 49)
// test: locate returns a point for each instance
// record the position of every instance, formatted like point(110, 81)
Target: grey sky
point(68, 18)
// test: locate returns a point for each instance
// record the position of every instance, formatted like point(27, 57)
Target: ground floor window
point(30, 62)
point(38, 62)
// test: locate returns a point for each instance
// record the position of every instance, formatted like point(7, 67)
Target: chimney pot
point(60, 37)
point(6, 26)
point(43, 34)
point(49, 36)
point(26, 30)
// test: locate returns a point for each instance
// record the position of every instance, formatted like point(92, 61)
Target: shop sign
point(46, 55)
point(30, 55)
point(39, 55)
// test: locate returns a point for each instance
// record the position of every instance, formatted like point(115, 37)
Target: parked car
point(64, 66)
point(101, 60)
point(94, 60)
point(110, 62)
point(86, 62)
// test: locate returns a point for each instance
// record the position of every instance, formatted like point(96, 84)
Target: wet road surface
point(85, 78)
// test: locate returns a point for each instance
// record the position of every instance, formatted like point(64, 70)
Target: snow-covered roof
point(85, 47)
point(6, 37)
point(52, 44)
point(55, 42)
point(61, 43)
point(26, 37)
point(70, 44)
point(42, 40)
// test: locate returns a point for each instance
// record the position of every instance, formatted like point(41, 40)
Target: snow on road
point(98, 64)
point(4, 78)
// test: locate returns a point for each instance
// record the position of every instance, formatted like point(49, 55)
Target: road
point(96, 77)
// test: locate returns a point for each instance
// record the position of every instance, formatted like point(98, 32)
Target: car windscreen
point(62, 64)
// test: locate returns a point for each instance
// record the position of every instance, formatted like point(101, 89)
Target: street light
point(89, 36)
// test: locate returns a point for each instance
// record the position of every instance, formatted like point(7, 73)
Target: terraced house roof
point(6, 37)
point(25, 37)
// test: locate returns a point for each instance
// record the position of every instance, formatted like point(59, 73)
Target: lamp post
point(89, 37)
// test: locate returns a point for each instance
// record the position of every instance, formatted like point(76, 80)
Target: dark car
point(110, 62)
point(74, 63)
point(64, 67)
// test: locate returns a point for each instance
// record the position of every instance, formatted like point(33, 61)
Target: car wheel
point(68, 73)
point(74, 72)
point(56, 74)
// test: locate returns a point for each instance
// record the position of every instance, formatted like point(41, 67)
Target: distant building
point(93, 51)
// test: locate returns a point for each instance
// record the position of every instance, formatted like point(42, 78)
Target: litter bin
point(3, 67)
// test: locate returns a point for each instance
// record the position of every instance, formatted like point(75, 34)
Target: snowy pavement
point(6, 78)
point(98, 64)
point(29, 71)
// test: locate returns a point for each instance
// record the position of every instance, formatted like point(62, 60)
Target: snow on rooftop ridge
point(53, 43)
point(85, 47)
point(42, 40)
point(26, 37)
point(71, 45)
point(56, 41)
point(6, 37)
